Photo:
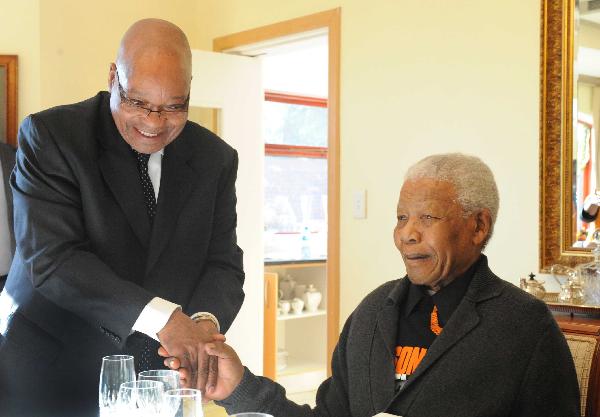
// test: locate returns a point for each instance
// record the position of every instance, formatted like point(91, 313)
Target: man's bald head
point(150, 84)
point(154, 42)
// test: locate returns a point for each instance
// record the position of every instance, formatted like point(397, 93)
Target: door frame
point(330, 20)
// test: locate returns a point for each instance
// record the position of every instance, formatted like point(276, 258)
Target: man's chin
point(147, 146)
point(419, 279)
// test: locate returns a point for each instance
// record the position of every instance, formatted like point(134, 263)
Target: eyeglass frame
point(162, 112)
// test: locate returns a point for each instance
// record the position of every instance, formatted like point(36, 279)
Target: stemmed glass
point(116, 369)
point(141, 398)
point(167, 376)
point(183, 403)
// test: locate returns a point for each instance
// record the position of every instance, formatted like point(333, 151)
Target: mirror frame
point(556, 108)
point(10, 63)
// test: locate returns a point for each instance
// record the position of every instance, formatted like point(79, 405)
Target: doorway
point(255, 42)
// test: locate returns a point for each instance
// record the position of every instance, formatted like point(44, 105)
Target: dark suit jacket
point(501, 354)
point(88, 260)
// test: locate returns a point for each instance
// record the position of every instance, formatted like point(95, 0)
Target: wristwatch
point(205, 315)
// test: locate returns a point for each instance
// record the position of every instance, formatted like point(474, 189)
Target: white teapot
point(533, 286)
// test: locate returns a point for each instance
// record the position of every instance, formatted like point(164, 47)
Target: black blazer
point(88, 260)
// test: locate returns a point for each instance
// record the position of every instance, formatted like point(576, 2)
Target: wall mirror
point(8, 99)
point(569, 128)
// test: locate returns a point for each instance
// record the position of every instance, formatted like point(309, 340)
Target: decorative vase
point(312, 298)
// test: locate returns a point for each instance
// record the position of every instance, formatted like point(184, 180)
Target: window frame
point(272, 149)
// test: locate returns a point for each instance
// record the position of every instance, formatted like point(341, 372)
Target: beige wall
point(585, 93)
point(589, 35)
point(79, 40)
point(20, 35)
point(417, 78)
point(65, 46)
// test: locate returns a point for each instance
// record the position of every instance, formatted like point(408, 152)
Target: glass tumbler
point(183, 403)
point(167, 376)
point(141, 399)
point(115, 370)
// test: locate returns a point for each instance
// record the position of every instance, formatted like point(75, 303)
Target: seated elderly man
point(450, 338)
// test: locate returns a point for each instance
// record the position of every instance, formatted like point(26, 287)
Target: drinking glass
point(141, 398)
point(115, 370)
point(183, 403)
point(167, 376)
point(251, 415)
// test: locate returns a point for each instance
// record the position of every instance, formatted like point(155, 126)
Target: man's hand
point(185, 339)
point(184, 374)
point(230, 373)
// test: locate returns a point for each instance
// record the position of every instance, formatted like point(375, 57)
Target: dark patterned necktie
point(149, 359)
point(147, 188)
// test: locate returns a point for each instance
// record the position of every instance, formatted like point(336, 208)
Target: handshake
point(198, 351)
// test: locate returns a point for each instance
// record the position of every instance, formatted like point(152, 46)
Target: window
point(295, 131)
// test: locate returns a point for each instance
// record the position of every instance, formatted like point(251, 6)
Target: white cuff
point(205, 315)
point(154, 317)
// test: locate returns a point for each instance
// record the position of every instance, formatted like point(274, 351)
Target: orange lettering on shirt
point(403, 359)
point(415, 359)
point(408, 358)
point(396, 356)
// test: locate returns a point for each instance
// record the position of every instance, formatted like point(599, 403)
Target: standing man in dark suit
point(125, 226)
point(7, 236)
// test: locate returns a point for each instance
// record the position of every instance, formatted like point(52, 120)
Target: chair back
point(583, 338)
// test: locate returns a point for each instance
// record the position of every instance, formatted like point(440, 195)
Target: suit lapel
point(119, 170)
point(122, 177)
point(178, 180)
point(381, 364)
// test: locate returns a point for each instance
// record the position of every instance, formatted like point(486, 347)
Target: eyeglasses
point(138, 107)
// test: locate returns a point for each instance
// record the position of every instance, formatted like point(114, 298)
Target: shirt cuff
point(154, 317)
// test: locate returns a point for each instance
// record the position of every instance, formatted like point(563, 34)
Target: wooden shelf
point(293, 316)
point(299, 263)
point(588, 310)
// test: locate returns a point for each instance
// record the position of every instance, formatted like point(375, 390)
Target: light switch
point(359, 204)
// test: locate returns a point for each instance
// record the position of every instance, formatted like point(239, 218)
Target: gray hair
point(472, 179)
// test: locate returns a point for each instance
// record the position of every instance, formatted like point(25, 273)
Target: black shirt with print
point(415, 334)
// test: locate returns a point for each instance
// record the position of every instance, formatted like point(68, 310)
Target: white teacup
point(284, 306)
point(297, 305)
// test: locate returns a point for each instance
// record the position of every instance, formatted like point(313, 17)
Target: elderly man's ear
point(483, 225)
